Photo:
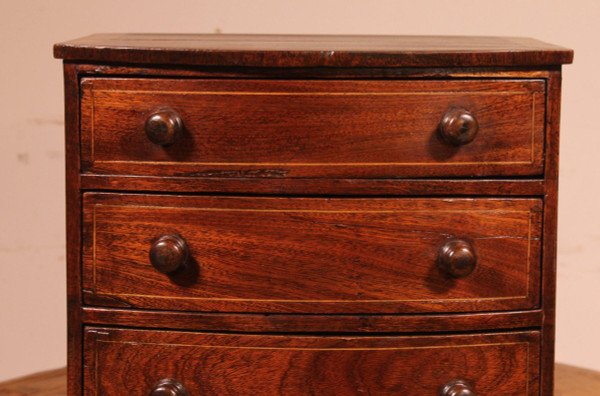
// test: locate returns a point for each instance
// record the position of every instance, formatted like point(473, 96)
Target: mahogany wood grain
point(292, 128)
point(313, 50)
point(570, 381)
point(311, 255)
point(295, 323)
point(232, 364)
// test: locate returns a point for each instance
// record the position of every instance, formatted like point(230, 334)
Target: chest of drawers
point(311, 215)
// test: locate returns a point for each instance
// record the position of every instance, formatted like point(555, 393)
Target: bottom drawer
point(133, 362)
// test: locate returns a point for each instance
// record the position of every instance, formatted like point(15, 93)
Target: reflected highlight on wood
point(458, 388)
point(163, 127)
point(457, 258)
point(459, 126)
point(169, 254)
point(168, 387)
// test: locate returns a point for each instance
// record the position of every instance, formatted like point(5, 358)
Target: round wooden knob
point(457, 258)
point(459, 126)
point(168, 387)
point(458, 388)
point(163, 127)
point(169, 253)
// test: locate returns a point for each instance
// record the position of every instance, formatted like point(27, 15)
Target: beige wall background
point(32, 233)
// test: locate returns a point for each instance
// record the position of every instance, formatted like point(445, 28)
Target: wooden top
point(312, 50)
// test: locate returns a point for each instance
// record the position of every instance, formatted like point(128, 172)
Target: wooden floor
point(48, 383)
point(570, 381)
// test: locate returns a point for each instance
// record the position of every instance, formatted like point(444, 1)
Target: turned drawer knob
point(168, 387)
point(458, 388)
point(457, 258)
point(459, 126)
point(169, 253)
point(163, 127)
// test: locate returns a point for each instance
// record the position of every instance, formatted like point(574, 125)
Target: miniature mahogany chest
point(311, 215)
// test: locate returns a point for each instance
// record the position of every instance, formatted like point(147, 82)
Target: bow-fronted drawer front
point(140, 362)
point(312, 128)
point(311, 255)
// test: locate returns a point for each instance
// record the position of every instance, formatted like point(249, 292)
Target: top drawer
point(312, 128)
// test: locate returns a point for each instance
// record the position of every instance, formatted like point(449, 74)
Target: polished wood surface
point(311, 179)
point(313, 255)
point(313, 50)
point(47, 383)
point(570, 381)
point(232, 364)
point(294, 128)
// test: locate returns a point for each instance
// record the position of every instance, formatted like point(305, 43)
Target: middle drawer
point(311, 255)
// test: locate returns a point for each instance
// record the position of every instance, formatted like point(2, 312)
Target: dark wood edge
point(370, 187)
point(73, 216)
point(549, 232)
point(310, 58)
point(186, 71)
point(291, 323)
point(90, 343)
